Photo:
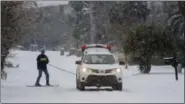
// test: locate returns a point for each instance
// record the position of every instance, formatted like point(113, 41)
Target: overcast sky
point(47, 3)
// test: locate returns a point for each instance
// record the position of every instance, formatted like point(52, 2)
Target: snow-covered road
point(159, 86)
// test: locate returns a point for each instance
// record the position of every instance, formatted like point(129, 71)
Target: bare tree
point(14, 18)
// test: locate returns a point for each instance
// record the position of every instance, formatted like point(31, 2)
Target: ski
point(55, 85)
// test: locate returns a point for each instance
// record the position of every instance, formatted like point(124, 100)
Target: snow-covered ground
point(158, 87)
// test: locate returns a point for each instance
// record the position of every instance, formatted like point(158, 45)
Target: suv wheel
point(117, 87)
point(81, 86)
point(77, 82)
point(77, 86)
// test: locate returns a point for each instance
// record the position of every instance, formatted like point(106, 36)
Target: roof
point(86, 47)
point(89, 45)
point(108, 53)
point(97, 51)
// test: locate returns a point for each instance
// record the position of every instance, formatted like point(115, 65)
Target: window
point(99, 59)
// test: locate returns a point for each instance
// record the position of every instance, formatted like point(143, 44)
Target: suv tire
point(117, 87)
point(81, 86)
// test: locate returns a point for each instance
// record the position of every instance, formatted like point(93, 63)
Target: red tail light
point(83, 47)
point(108, 47)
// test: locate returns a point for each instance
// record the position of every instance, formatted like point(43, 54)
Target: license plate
point(101, 71)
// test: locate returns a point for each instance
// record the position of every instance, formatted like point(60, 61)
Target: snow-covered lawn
point(158, 87)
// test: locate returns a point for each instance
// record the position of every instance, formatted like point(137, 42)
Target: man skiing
point(42, 61)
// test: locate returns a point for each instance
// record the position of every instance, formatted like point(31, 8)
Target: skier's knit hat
point(42, 51)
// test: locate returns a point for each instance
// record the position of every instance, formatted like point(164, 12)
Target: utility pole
point(92, 22)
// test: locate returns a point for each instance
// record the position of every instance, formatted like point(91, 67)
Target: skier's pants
point(40, 75)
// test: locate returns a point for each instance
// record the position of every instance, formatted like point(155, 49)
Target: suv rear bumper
point(108, 80)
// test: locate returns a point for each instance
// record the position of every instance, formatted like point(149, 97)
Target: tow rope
point(136, 74)
point(62, 69)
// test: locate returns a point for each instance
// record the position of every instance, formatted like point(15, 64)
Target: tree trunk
point(145, 65)
point(126, 61)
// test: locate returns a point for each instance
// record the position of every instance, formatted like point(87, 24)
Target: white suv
point(98, 67)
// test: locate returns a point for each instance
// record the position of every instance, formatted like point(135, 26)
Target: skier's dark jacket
point(42, 61)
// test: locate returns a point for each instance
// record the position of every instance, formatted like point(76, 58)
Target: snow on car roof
point(95, 45)
point(97, 50)
point(108, 53)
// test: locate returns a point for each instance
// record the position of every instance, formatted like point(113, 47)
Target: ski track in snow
point(158, 87)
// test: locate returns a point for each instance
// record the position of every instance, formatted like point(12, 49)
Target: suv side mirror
point(121, 62)
point(78, 62)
